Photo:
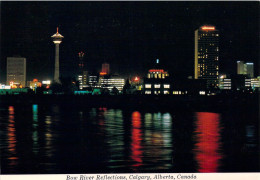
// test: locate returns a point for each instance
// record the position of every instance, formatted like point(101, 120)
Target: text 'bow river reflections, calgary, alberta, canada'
point(63, 139)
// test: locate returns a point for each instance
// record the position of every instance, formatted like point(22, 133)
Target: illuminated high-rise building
point(240, 67)
point(16, 71)
point(82, 72)
point(245, 68)
point(57, 39)
point(250, 69)
point(105, 68)
point(206, 64)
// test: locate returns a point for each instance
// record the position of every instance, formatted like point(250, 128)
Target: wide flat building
point(111, 82)
point(16, 71)
point(206, 64)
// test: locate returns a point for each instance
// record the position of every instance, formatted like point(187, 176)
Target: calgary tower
point(57, 39)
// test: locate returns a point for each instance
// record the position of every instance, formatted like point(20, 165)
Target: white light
point(46, 82)
point(57, 42)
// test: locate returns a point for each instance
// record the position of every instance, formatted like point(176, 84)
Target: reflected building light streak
point(136, 136)
point(207, 147)
point(251, 139)
point(148, 120)
point(35, 126)
point(11, 137)
point(48, 137)
point(158, 139)
point(167, 128)
point(113, 130)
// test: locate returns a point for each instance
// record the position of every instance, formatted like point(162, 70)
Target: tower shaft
point(57, 64)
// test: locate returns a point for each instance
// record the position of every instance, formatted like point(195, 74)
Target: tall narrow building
point(16, 71)
point(105, 68)
point(245, 68)
point(241, 67)
point(57, 39)
point(206, 64)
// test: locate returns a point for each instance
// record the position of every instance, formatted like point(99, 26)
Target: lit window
point(175, 92)
point(157, 86)
point(148, 92)
point(202, 92)
point(165, 92)
point(148, 86)
point(166, 86)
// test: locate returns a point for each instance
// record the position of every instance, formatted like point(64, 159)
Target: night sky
point(127, 35)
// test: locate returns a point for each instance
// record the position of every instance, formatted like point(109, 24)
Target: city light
point(208, 28)
point(136, 79)
point(102, 73)
point(46, 82)
point(156, 70)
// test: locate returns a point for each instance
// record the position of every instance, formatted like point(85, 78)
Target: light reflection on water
point(136, 136)
point(207, 147)
point(58, 139)
point(11, 133)
point(35, 129)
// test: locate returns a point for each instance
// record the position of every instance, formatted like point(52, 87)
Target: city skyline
point(129, 38)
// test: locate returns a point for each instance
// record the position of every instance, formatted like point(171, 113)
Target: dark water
point(61, 139)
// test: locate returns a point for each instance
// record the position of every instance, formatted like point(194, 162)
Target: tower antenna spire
point(57, 29)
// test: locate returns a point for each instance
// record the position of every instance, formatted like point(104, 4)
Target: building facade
point(245, 68)
point(206, 64)
point(157, 81)
point(16, 71)
point(112, 82)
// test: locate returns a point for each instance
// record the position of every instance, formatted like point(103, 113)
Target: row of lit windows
point(201, 35)
point(157, 86)
point(157, 75)
point(157, 92)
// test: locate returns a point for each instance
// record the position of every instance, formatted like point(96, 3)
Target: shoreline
point(153, 102)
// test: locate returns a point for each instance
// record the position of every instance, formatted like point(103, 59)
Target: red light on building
point(102, 73)
point(208, 28)
point(136, 79)
point(156, 70)
point(35, 80)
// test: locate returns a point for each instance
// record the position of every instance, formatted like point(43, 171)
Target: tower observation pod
point(57, 39)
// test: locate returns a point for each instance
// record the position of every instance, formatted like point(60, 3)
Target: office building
point(241, 67)
point(206, 64)
point(57, 39)
point(225, 83)
point(250, 69)
point(111, 82)
point(253, 82)
point(245, 68)
point(16, 71)
point(157, 81)
point(82, 72)
point(93, 81)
